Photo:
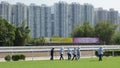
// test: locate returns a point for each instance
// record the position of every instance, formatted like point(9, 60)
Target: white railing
point(57, 48)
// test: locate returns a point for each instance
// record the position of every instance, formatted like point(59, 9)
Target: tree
point(88, 30)
point(22, 34)
point(116, 38)
point(104, 30)
point(83, 31)
point(7, 33)
point(37, 41)
point(77, 32)
point(42, 40)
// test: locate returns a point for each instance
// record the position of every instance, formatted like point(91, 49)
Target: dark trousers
point(100, 57)
point(69, 56)
point(78, 56)
point(61, 57)
point(74, 56)
point(51, 58)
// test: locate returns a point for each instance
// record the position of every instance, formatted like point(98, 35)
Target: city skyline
point(107, 4)
point(56, 20)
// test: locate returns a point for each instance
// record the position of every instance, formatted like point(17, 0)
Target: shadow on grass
point(94, 60)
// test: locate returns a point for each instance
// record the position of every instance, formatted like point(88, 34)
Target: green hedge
point(15, 57)
point(22, 57)
point(110, 53)
point(7, 58)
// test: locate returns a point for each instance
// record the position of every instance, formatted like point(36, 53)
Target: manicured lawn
point(108, 62)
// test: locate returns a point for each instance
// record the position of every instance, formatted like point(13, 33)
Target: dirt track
point(47, 54)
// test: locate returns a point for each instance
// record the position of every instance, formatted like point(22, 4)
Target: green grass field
point(108, 62)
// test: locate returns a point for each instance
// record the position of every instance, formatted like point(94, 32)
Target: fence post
point(32, 53)
point(11, 53)
point(113, 53)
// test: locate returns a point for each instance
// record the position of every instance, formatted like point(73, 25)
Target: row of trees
point(19, 35)
point(13, 35)
point(103, 30)
point(37, 41)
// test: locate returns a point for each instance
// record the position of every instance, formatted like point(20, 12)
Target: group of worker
point(76, 53)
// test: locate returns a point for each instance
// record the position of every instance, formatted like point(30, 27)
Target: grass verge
point(108, 62)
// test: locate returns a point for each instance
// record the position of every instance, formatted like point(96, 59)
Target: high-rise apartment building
point(101, 15)
point(5, 10)
point(113, 16)
point(118, 22)
point(39, 19)
point(75, 16)
point(19, 14)
point(88, 11)
point(52, 18)
point(45, 21)
point(61, 19)
point(34, 20)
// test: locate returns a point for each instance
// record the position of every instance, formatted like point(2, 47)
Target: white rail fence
point(57, 48)
point(32, 49)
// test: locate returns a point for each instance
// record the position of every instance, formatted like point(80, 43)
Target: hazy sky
point(106, 4)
